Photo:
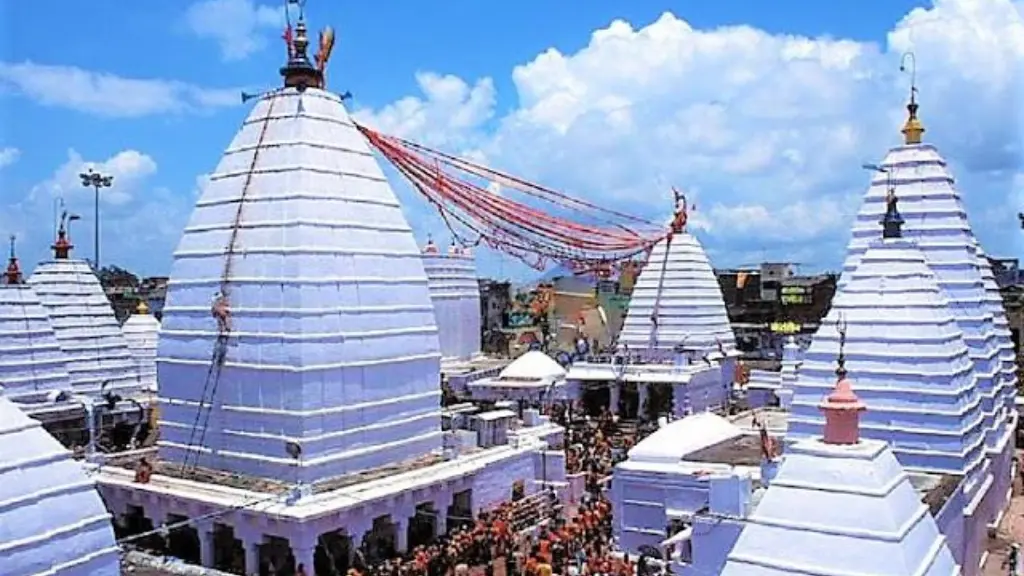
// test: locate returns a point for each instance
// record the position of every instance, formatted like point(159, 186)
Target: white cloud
point(140, 220)
point(449, 102)
point(770, 129)
point(237, 26)
point(9, 156)
point(108, 94)
point(130, 170)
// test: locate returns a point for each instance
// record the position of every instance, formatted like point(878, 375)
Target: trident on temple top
point(912, 129)
point(682, 211)
point(841, 359)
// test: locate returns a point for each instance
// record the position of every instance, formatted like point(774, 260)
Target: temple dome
point(52, 520)
point(142, 331)
point(913, 367)
point(836, 510)
point(455, 292)
point(679, 286)
point(936, 220)
point(534, 365)
point(85, 326)
point(332, 344)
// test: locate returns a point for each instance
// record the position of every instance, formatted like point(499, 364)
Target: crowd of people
point(573, 542)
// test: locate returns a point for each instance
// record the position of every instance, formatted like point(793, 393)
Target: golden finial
point(912, 129)
point(142, 308)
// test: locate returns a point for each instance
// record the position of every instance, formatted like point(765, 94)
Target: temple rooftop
point(268, 485)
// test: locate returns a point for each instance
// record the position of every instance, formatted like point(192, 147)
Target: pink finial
point(842, 407)
point(430, 248)
point(842, 411)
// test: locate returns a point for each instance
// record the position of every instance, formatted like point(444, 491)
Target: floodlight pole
point(96, 180)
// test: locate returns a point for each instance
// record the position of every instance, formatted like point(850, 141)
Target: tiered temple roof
point(936, 220)
point(142, 331)
point(84, 323)
point(677, 300)
point(841, 506)
point(31, 361)
point(912, 364)
point(323, 358)
point(455, 292)
point(52, 520)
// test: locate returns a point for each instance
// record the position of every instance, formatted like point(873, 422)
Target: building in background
point(770, 303)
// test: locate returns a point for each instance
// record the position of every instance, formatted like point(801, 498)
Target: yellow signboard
point(785, 327)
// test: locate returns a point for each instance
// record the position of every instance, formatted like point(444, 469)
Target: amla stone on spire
point(13, 273)
point(912, 128)
point(299, 72)
point(842, 408)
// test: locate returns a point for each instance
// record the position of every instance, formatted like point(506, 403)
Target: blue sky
point(763, 110)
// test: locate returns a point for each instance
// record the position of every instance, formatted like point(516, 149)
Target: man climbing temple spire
point(221, 311)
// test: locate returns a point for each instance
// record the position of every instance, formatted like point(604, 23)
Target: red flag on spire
point(287, 37)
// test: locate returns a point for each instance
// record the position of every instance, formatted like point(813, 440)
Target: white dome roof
point(534, 365)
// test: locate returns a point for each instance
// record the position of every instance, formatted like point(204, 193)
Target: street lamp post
point(96, 180)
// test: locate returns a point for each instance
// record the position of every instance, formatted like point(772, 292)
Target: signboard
point(786, 327)
point(795, 295)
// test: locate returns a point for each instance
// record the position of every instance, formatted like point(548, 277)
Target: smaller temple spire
point(142, 308)
point(13, 273)
point(842, 407)
point(62, 247)
point(912, 128)
point(430, 247)
point(892, 222)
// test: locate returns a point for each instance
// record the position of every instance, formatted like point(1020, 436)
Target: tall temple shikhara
point(928, 341)
point(321, 356)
